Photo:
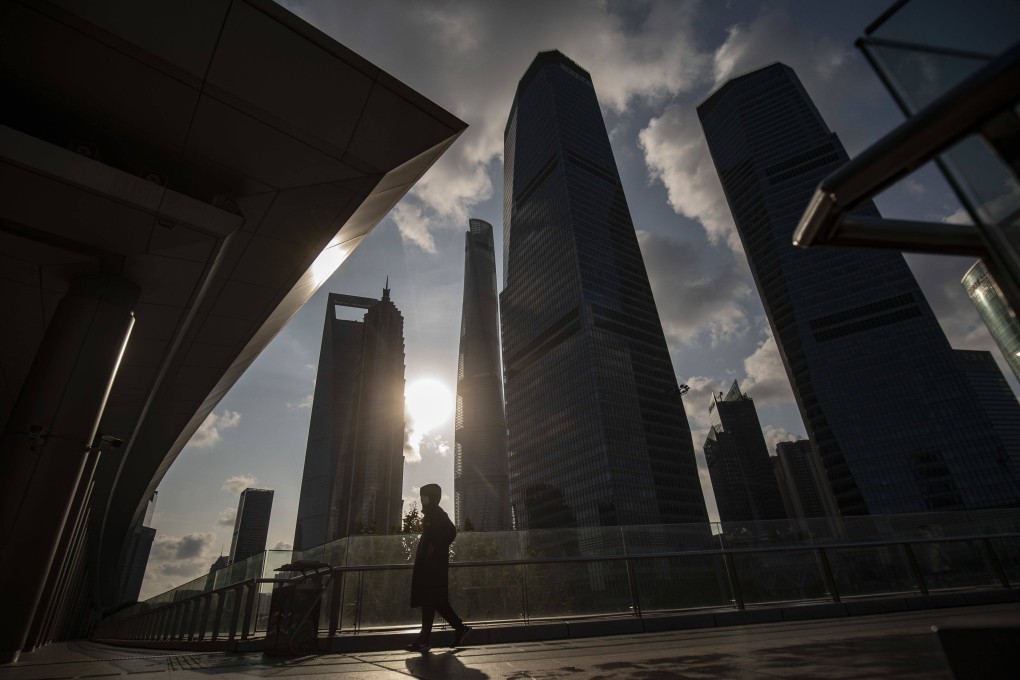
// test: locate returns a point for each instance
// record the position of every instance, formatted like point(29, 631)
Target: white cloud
point(459, 56)
point(959, 216)
point(766, 381)
point(174, 560)
point(434, 444)
point(239, 483)
point(208, 433)
point(774, 435)
point(412, 454)
point(673, 143)
point(227, 517)
point(676, 155)
point(698, 296)
point(305, 402)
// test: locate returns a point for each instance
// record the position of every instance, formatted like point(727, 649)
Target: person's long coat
point(430, 579)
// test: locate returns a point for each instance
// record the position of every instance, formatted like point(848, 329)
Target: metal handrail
point(187, 609)
point(956, 114)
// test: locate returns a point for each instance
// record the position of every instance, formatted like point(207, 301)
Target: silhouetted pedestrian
point(430, 580)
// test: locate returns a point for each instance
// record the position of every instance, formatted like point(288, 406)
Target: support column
point(44, 448)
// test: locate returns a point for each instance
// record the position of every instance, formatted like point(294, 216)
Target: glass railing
point(926, 47)
point(597, 572)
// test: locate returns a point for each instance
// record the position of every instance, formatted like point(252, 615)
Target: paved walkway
point(901, 646)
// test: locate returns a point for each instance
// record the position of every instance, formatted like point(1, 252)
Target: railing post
point(830, 582)
point(916, 568)
point(524, 590)
point(203, 624)
point(236, 611)
point(993, 557)
point(336, 599)
point(249, 606)
point(635, 599)
point(194, 615)
point(731, 576)
point(357, 605)
point(220, 596)
point(181, 622)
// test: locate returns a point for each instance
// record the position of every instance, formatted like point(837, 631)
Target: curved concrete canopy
point(226, 157)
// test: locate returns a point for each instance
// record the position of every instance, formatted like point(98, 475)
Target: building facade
point(738, 461)
point(803, 484)
point(996, 399)
point(895, 422)
point(354, 461)
point(597, 432)
point(481, 495)
point(993, 309)
point(251, 524)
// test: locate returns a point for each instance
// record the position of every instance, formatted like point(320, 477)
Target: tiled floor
point(901, 646)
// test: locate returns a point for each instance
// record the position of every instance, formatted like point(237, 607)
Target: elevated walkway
point(907, 645)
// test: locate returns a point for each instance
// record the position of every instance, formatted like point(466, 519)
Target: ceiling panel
point(282, 73)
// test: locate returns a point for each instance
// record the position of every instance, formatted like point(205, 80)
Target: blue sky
point(651, 62)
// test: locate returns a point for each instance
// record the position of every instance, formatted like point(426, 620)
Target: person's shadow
point(442, 666)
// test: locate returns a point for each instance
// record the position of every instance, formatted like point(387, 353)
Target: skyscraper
point(995, 312)
point(738, 461)
point(597, 432)
point(894, 420)
point(803, 484)
point(481, 498)
point(251, 524)
point(354, 462)
point(995, 398)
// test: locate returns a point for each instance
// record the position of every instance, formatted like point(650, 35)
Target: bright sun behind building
point(429, 403)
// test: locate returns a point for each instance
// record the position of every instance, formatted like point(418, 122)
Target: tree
point(411, 523)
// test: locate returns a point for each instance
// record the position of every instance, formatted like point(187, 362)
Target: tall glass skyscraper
point(995, 312)
point(481, 500)
point(597, 432)
point(354, 463)
point(251, 525)
point(896, 423)
point(738, 461)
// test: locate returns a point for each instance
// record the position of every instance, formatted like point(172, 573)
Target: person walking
point(430, 588)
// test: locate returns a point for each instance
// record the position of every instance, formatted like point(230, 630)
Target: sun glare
point(429, 404)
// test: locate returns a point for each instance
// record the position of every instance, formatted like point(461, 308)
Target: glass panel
point(988, 26)
point(681, 582)
point(582, 542)
point(487, 593)
point(577, 589)
point(229, 603)
point(386, 599)
point(475, 546)
point(871, 571)
point(986, 182)
point(1007, 549)
point(663, 538)
point(954, 564)
point(786, 576)
point(919, 78)
point(376, 550)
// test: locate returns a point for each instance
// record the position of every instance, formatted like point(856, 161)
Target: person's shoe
point(419, 647)
point(461, 634)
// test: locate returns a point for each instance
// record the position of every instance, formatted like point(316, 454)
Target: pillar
point(45, 445)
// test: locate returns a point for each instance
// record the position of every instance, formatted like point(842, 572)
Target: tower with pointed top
point(597, 432)
point(481, 499)
point(738, 461)
point(354, 461)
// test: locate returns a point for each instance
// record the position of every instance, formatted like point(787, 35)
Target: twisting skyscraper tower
point(598, 434)
point(480, 467)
